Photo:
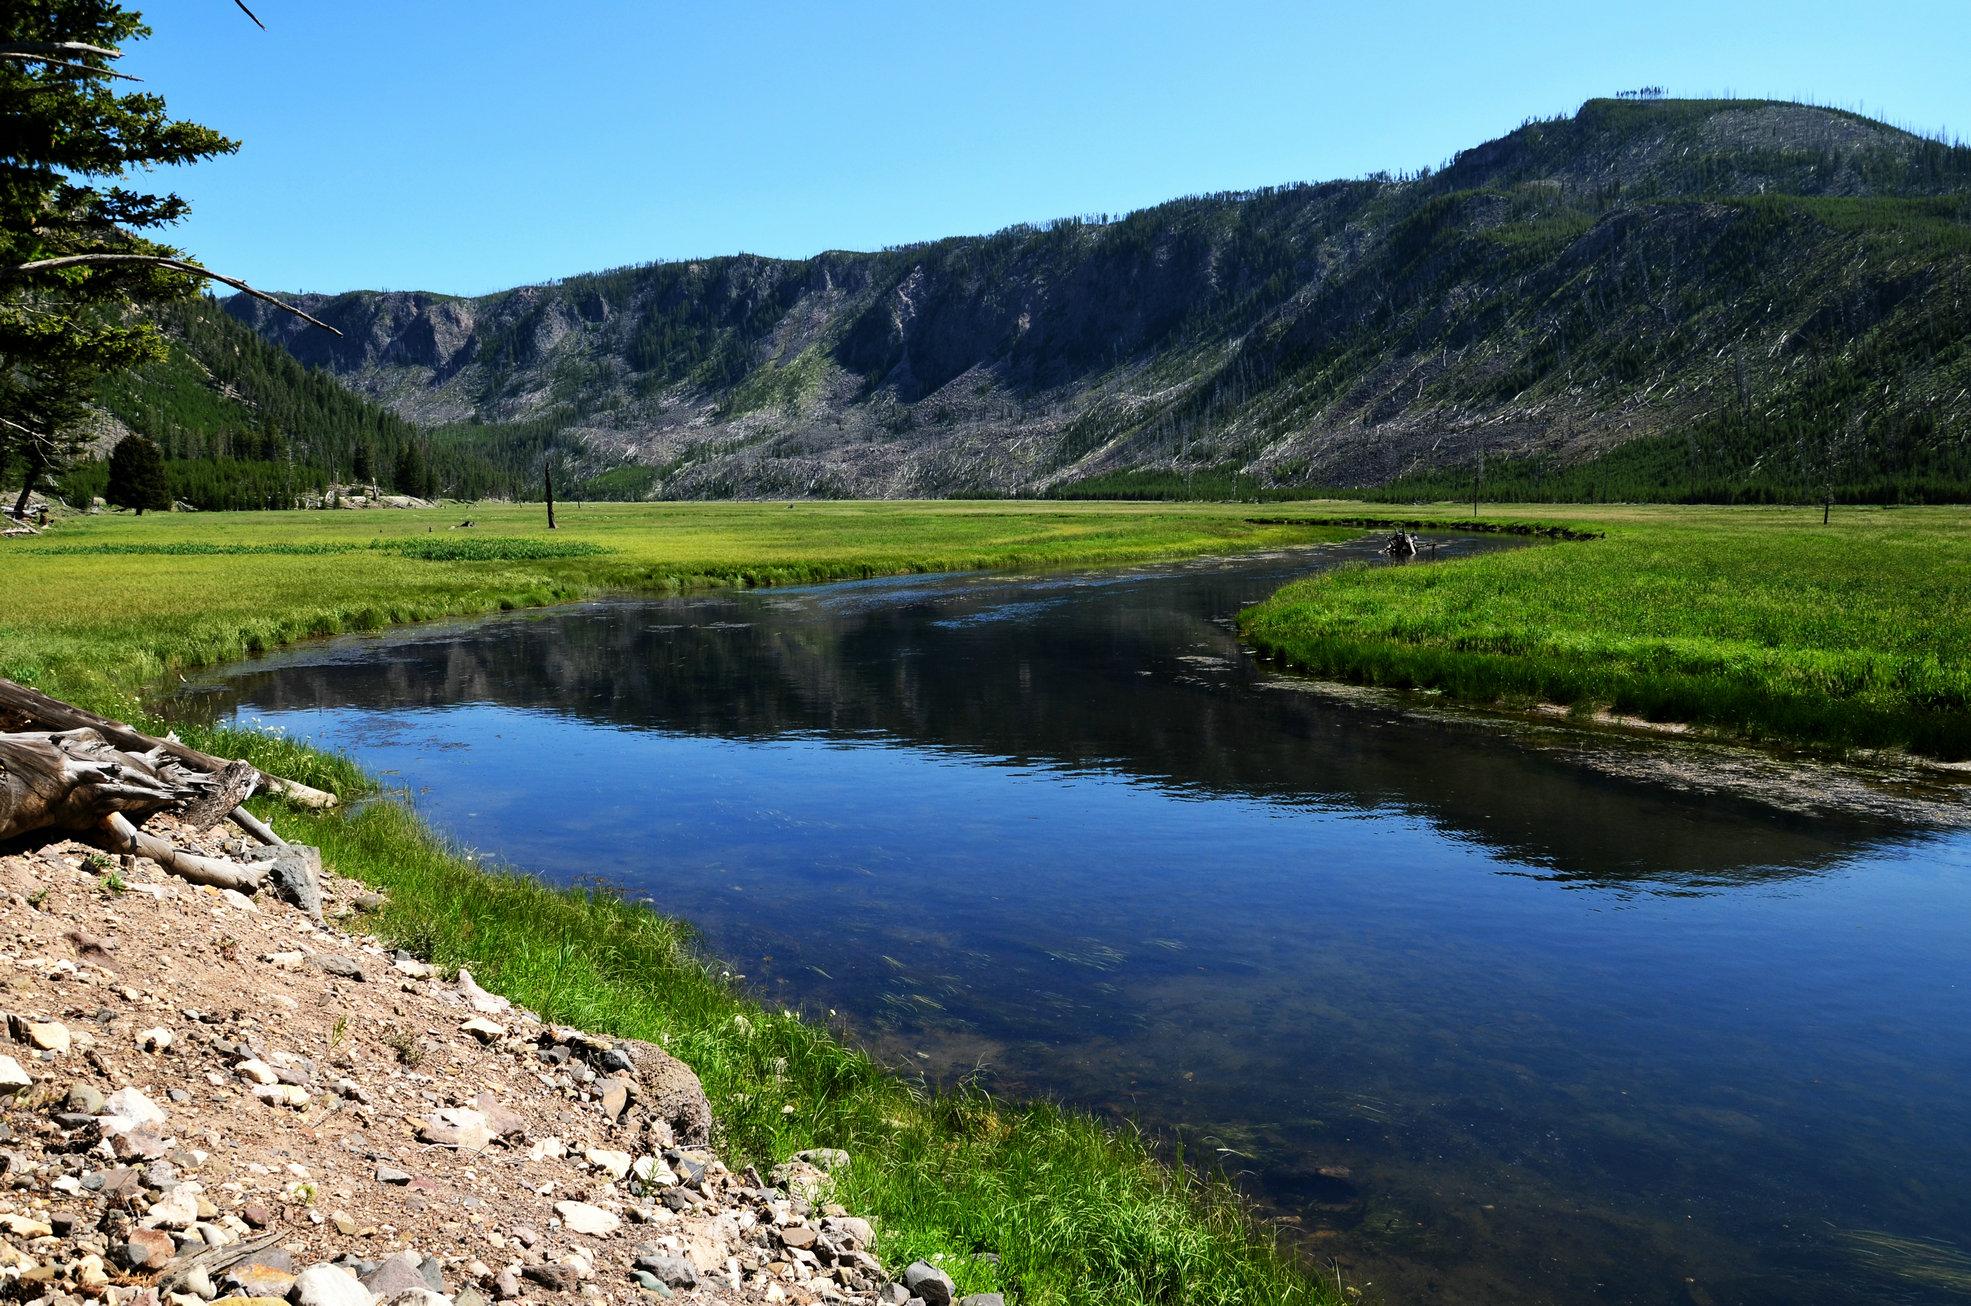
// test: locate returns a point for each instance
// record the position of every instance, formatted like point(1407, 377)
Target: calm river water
point(1479, 1022)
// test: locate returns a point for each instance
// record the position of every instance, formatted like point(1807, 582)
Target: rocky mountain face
point(1633, 271)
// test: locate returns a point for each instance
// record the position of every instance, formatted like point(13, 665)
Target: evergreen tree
point(136, 476)
point(410, 470)
point(71, 258)
point(365, 462)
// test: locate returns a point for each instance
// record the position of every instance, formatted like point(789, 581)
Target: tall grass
point(1756, 622)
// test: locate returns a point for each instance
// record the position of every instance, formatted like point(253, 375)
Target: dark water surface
point(1480, 1023)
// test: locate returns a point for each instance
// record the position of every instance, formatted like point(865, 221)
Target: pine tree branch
point(176, 265)
point(44, 52)
point(64, 63)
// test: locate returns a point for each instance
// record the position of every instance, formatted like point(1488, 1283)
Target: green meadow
point(103, 606)
point(1753, 622)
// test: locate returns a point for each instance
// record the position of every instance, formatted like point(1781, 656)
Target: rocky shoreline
point(215, 1097)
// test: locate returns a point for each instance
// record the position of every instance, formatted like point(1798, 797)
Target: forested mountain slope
point(1751, 299)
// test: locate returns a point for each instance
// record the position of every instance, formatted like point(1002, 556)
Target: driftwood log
point(62, 768)
point(27, 709)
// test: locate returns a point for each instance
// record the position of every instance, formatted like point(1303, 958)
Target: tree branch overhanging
point(177, 265)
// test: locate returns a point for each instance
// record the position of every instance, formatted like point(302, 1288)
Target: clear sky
point(439, 145)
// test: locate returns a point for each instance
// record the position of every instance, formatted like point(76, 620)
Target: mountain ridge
point(1642, 270)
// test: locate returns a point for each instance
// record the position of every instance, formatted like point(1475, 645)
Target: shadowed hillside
point(1751, 299)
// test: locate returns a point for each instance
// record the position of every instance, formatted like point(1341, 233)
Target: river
point(1470, 1017)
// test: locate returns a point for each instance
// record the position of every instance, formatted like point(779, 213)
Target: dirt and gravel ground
point(190, 1075)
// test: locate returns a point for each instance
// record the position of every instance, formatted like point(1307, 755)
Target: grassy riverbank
point(1078, 1211)
point(1756, 622)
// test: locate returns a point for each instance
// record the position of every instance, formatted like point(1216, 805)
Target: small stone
point(483, 1029)
point(258, 1071)
point(830, 1159)
point(257, 1216)
point(201, 1283)
point(388, 1174)
point(433, 1271)
point(397, 1274)
point(460, 1127)
point(160, 1174)
point(144, 1143)
point(525, 1234)
point(179, 1096)
point(615, 1095)
point(672, 1271)
point(344, 1223)
point(797, 1236)
point(283, 1095)
point(337, 964)
point(506, 1284)
point(177, 1209)
point(982, 1299)
point(85, 1098)
point(583, 1218)
point(503, 1121)
point(235, 899)
point(147, 1249)
point(156, 1039)
point(847, 1228)
point(469, 1296)
point(486, 1004)
point(127, 1109)
point(51, 1036)
point(256, 1280)
point(74, 1120)
point(555, 1278)
point(12, 1078)
point(929, 1282)
point(329, 1285)
point(25, 1226)
point(615, 1164)
point(418, 1297)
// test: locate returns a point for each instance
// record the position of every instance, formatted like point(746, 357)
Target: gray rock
point(85, 1098)
point(528, 1235)
point(390, 1174)
point(433, 1271)
point(850, 1230)
point(830, 1159)
point(669, 1090)
point(506, 1284)
point(982, 1299)
point(74, 1120)
point(616, 1059)
point(296, 876)
point(336, 964)
point(555, 1278)
point(469, 1296)
point(397, 1274)
point(674, 1271)
point(419, 1297)
point(328, 1285)
point(893, 1294)
point(200, 1282)
point(159, 1173)
point(929, 1282)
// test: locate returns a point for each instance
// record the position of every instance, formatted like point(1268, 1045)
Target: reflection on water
point(1477, 1022)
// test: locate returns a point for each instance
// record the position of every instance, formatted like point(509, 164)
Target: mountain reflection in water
point(1480, 1022)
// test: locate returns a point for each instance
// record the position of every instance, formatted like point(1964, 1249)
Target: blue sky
point(431, 144)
